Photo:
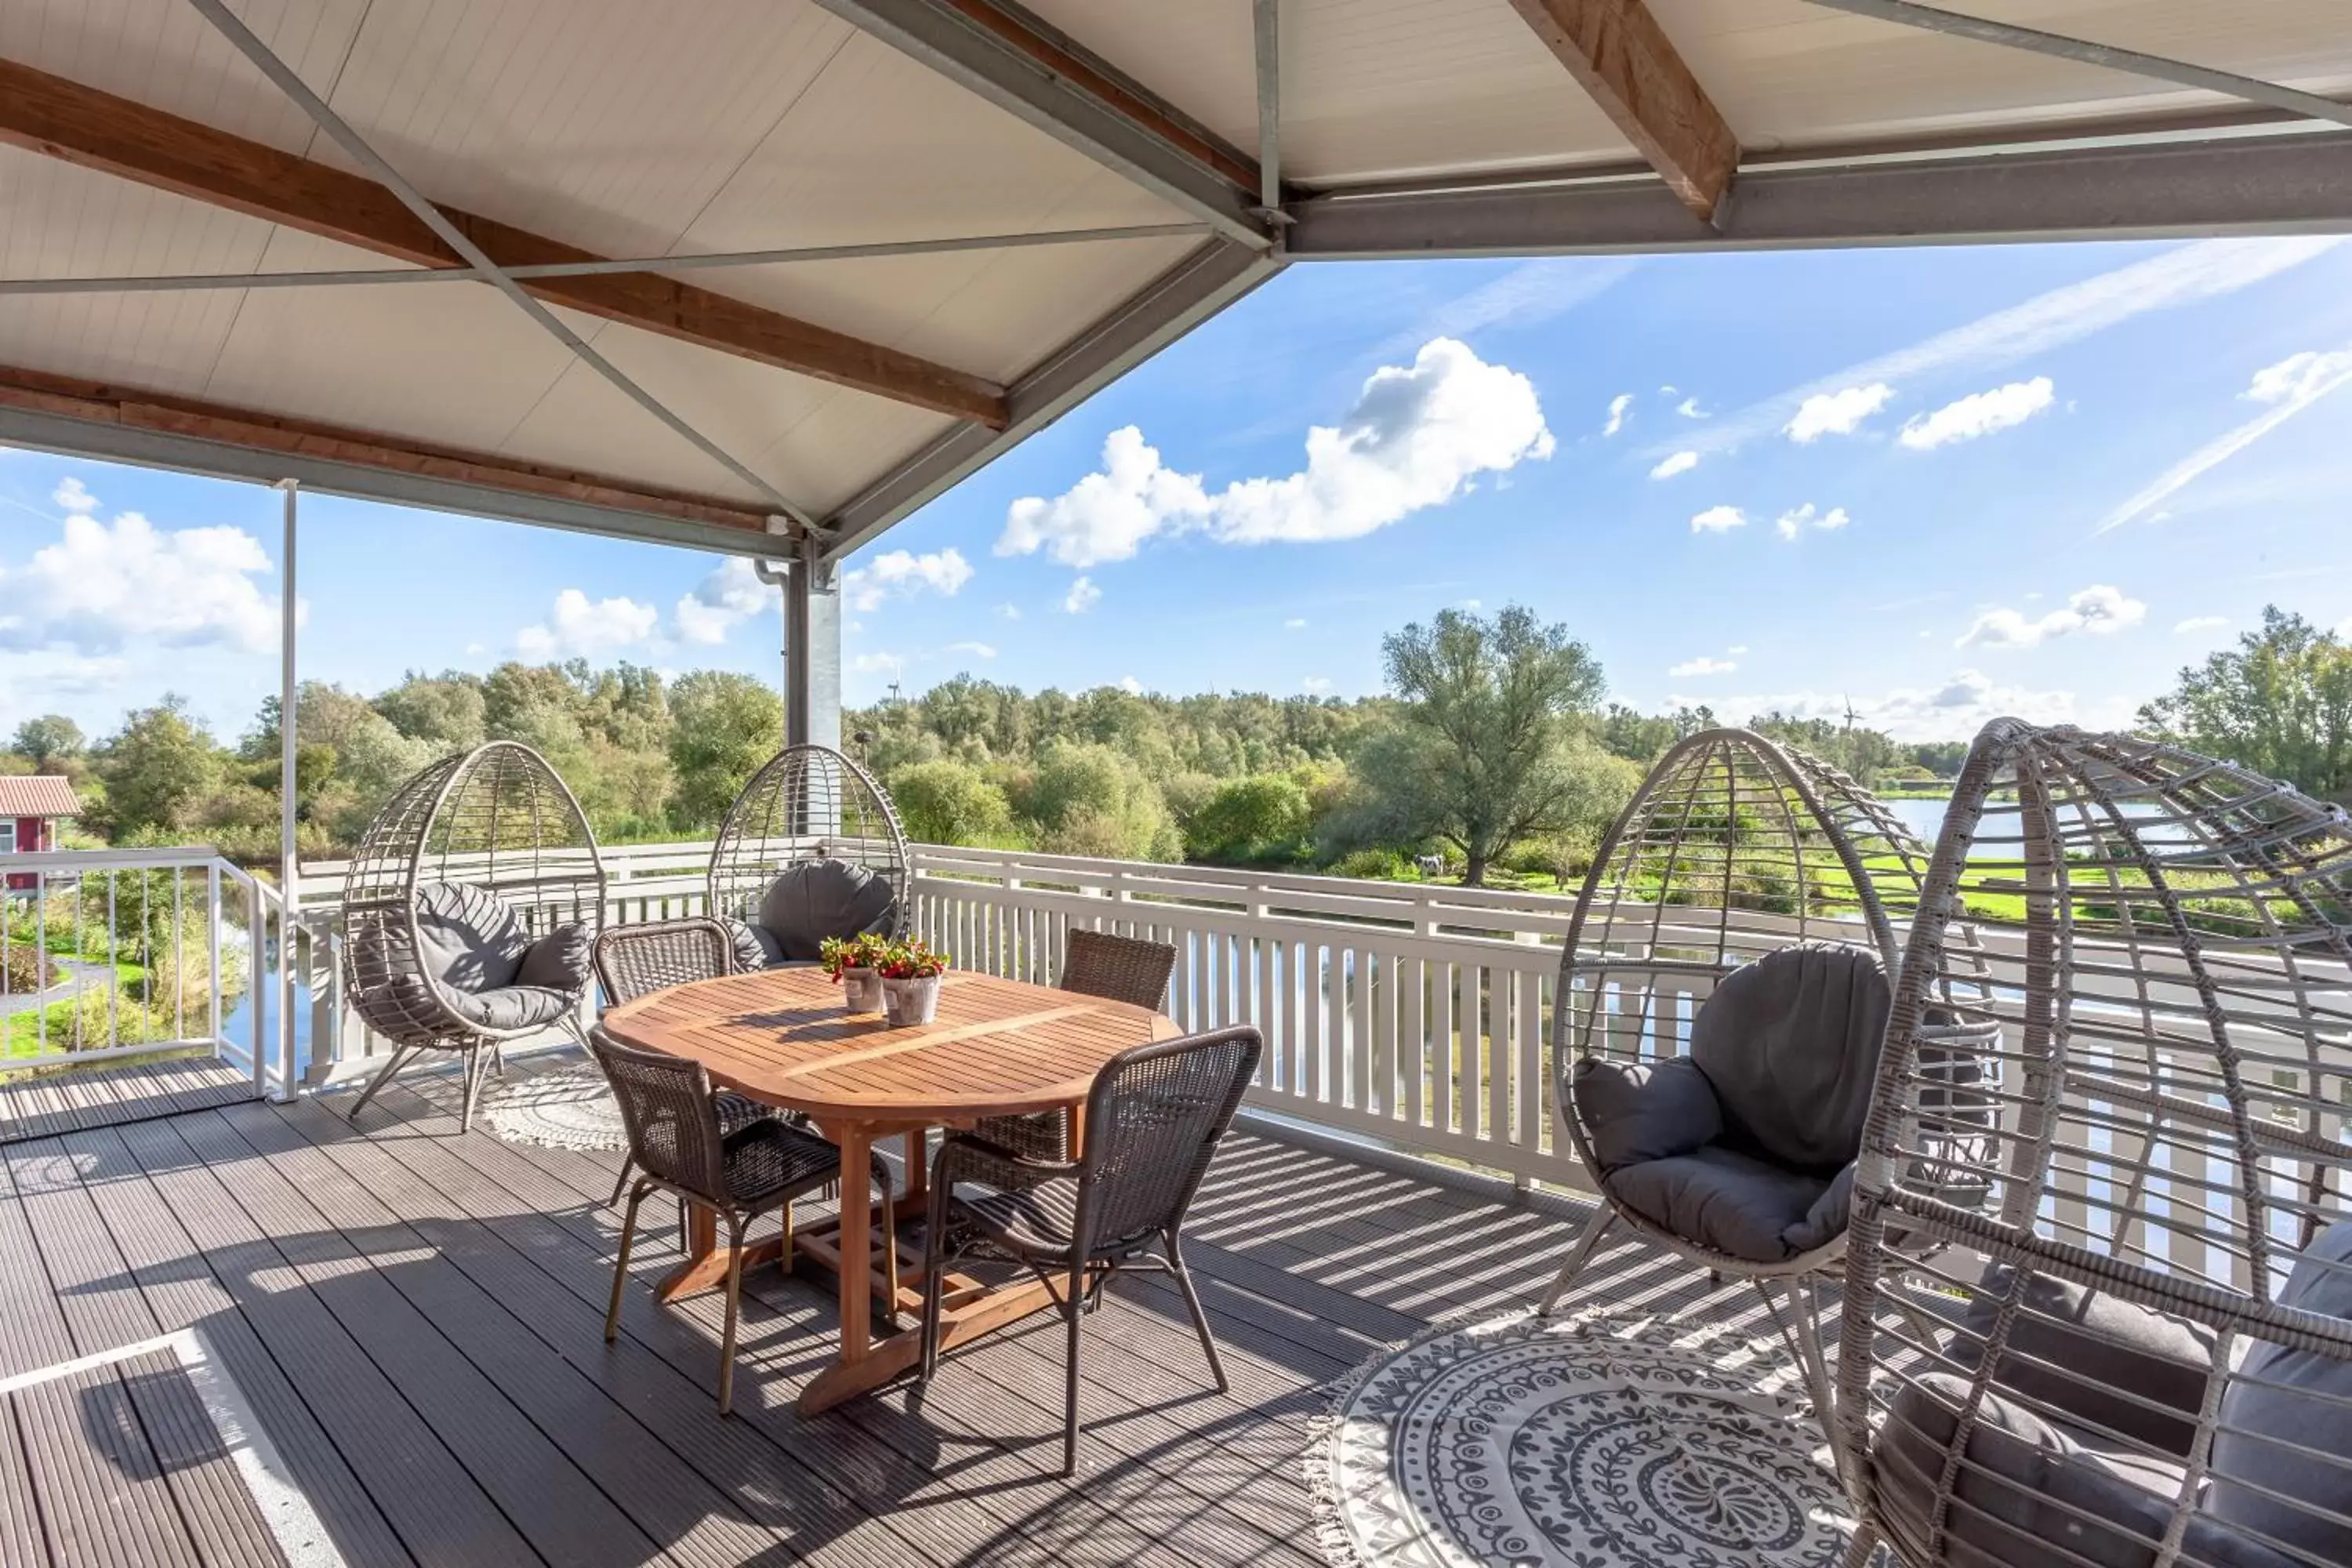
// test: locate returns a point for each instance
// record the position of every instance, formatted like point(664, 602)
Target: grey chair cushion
point(2033, 1493)
point(818, 899)
point(558, 961)
point(1826, 1220)
point(1640, 1111)
point(2314, 1409)
point(2072, 1348)
point(756, 947)
point(1791, 1044)
point(469, 938)
point(512, 1007)
point(1721, 1199)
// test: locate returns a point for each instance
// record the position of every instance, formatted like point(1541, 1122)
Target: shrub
point(27, 971)
point(1250, 816)
point(950, 802)
point(1375, 865)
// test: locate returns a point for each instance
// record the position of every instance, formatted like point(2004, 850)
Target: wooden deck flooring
point(44, 1104)
point(415, 1317)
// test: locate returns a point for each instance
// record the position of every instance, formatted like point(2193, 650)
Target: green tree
point(723, 726)
point(1252, 816)
point(2279, 703)
point(51, 737)
point(947, 802)
point(1478, 756)
point(446, 711)
point(158, 769)
point(1092, 799)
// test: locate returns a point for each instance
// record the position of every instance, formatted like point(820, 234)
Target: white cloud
point(1083, 596)
point(581, 627)
point(1295, 624)
point(1619, 406)
point(902, 575)
point(1678, 463)
point(1953, 709)
point(102, 584)
point(2184, 275)
point(2097, 611)
point(976, 649)
point(1010, 612)
point(1468, 605)
point(1737, 647)
point(1315, 685)
point(1792, 523)
point(1979, 414)
point(1689, 409)
point(1838, 413)
point(1719, 519)
point(1131, 686)
point(2201, 623)
point(1416, 437)
point(1703, 666)
point(71, 495)
point(731, 593)
point(888, 663)
point(1527, 295)
point(2290, 386)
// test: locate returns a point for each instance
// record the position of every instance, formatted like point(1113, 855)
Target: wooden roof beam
point(133, 409)
point(1619, 54)
point(61, 119)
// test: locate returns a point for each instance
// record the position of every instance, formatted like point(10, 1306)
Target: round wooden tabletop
point(999, 1048)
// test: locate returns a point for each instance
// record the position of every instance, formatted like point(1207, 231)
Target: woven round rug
point(565, 1108)
point(1586, 1442)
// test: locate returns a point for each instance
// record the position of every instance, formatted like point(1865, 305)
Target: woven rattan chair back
point(637, 961)
point(809, 802)
point(2173, 997)
point(1119, 968)
point(673, 1123)
point(498, 818)
point(1154, 1123)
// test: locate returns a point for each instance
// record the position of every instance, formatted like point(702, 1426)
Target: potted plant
point(852, 960)
point(910, 983)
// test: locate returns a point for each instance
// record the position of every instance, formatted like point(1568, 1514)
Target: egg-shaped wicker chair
point(2137, 1351)
point(470, 912)
point(811, 848)
point(1715, 1027)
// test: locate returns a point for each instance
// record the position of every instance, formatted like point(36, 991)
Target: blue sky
point(2040, 479)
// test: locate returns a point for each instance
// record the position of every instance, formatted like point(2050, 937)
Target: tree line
point(1494, 750)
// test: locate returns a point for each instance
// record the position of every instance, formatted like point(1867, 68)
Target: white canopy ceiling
point(151, 173)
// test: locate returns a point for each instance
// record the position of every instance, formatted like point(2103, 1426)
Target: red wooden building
point(30, 809)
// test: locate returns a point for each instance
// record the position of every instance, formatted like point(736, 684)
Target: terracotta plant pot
point(861, 990)
point(906, 1002)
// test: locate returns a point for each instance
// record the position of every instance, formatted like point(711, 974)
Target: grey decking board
point(104, 1503)
point(223, 1523)
point(543, 1496)
point(441, 1515)
point(184, 1293)
point(21, 1537)
point(50, 1104)
point(100, 1302)
point(33, 1333)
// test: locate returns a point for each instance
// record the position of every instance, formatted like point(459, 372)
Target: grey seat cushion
point(2312, 1409)
point(756, 947)
point(2073, 1349)
point(818, 899)
point(2034, 1493)
point(1633, 1112)
point(1723, 1200)
point(509, 1008)
point(1791, 1044)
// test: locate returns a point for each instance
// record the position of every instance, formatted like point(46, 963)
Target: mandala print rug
point(567, 1108)
point(1585, 1442)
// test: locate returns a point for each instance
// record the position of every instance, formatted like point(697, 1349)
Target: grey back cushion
point(469, 938)
point(818, 899)
point(2095, 1356)
point(1791, 1044)
point(756, 947)
point(2310, 1404)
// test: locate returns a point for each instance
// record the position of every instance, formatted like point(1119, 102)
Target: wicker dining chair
point(1154, 1120)
point(676, 1139)
point(637, 960)
point(1094, 963)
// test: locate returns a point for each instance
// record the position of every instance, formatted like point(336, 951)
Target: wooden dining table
point(782, 1036)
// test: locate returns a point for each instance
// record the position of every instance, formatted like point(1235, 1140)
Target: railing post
point(256, 978)
point(212, 942)
point(326, 1002)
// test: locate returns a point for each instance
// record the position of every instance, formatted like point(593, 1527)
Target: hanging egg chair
point(2137, 1348)
point(469, 912)
point(811, 848)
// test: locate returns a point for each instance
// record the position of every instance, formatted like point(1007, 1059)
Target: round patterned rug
point(1586, 1442)
point(564, 1108)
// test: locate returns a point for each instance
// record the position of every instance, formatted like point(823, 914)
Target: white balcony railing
point(112, 955)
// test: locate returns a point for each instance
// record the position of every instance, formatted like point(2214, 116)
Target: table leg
point(917, 1148)
point(856, 1243)
point(706, 1264)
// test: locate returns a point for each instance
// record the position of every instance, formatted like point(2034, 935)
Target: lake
point(1925, 815)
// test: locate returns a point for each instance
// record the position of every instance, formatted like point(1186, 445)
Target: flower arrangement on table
point(910, 974)
point(853, 962)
